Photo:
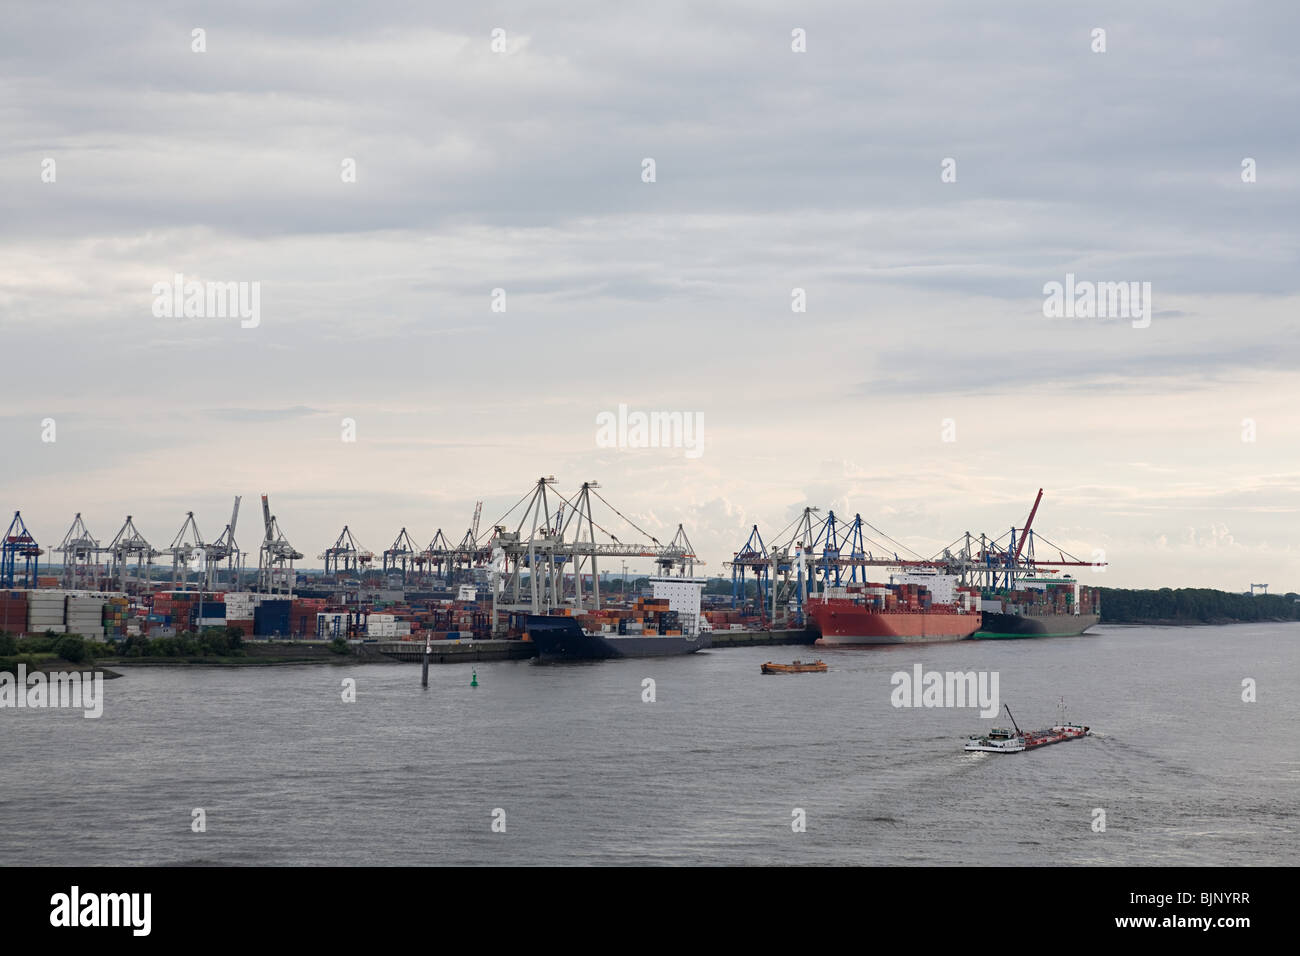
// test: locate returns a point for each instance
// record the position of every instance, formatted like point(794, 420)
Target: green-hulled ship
point(1038, 607)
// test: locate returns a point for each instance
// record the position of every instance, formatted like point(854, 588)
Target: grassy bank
point(216, 647)
point(252, 654)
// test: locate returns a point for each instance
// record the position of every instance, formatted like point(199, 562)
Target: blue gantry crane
point(19, 544)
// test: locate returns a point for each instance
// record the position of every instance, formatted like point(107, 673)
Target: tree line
point(1194, 606)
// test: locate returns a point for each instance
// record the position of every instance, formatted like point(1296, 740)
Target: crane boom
point(1028, 524)
point(234, 517)
point(1013, 716)
point(266, 516)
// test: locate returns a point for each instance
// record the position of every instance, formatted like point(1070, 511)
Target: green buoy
point(473, 681)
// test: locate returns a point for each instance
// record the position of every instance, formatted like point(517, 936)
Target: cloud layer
point(775, 170)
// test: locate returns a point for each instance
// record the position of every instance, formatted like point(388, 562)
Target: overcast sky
point(774, 170)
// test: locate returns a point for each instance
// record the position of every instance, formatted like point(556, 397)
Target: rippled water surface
point(709, 773)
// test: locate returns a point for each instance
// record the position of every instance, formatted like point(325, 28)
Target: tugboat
point(1002, 741)
point(798, 667)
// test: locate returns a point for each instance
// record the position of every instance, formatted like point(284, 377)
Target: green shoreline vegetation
point(214, 646)
point(1181, 606)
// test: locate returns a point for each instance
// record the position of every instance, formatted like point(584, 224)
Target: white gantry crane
point(187, 551)
point(80, 550)
point(561, 550)
point(126, 544)
point(225, 549)
point(276, 556)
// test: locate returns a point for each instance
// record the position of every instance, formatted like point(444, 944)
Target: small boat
point(797, 667)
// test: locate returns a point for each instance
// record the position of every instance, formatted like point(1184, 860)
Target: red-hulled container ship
point(915, 608)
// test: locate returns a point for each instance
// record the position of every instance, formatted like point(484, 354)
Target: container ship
point(1038, 607)
point(1018, 599)
point(562, 638)
point(917, 607)
point(665, 625)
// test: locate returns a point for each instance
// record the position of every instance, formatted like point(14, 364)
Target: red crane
point(1024, 532)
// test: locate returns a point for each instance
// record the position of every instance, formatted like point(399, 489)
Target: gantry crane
point(226, 549)
point(400, 554)
point(19, 543)
point(80, 550)
point(276, 556)
point(126, 544)
point(439, 556)
point(828, 550)
point(561, 550)
point(346, 555)
point(186, 550)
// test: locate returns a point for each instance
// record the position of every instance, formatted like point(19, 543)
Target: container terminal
point(543, 557)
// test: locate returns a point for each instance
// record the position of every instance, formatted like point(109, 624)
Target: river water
point(711, 772)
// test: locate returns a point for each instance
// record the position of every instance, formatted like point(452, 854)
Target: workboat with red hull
point(920, 607)
point(1003, 741)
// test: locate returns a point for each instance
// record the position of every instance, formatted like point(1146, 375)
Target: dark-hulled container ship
point(1038, 607)
point(563, 638)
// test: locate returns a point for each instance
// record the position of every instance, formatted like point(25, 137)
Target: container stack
point(331, 624)
point(116, 611)
point(13, 612)
point(968, 598)
point(272, 618)
point(177, 608)
point(212, 614)
point(45, 610)
point(302, 616)
point(85, 615)
point(240, 607)
point(723, 620)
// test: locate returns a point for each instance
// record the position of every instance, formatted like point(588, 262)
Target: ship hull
point(849, 627)
point(999, 626)
point(561, 639)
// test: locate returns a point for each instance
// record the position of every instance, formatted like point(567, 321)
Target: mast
point(1019, 732)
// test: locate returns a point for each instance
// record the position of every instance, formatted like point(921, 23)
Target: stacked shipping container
point(85, 615)
point(45, 611)
point(116, 612)
point(13, 612)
